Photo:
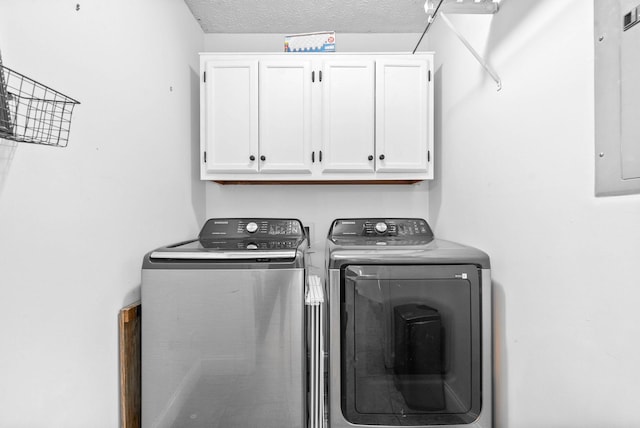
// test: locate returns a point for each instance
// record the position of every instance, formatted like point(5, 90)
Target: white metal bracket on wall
point(467, 7)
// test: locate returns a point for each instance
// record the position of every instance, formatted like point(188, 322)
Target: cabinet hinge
point(205, 76)
point(205, 157)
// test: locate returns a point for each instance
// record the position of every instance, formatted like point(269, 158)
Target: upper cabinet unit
point(348, 116)
point(403, 116)
point(229, 129)
point(285, 116)
point(316, 117)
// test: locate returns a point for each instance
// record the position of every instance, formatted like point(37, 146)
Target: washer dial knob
point(381, 227)
point(252, 227)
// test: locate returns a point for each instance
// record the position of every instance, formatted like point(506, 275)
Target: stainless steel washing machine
point(409, 327)
point(223, 328)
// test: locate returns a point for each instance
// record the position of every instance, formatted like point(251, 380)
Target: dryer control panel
point(361, 230)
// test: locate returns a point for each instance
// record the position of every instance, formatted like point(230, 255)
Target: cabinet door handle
point(313, 157)
point(370, 157)
point(320, 156)
point(263, 157)
point(381, 157)
point(313, 76)
point(252, 158)
point(320, 75)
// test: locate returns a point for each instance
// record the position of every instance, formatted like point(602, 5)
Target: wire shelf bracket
point(474, 7)
point(476, 55)
point(444, 7)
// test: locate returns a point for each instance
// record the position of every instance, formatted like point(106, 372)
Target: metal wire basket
point(31, 112)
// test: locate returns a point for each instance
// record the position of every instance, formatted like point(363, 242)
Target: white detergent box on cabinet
point(324, 41)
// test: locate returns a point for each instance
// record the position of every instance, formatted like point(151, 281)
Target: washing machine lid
point(195, 250)
point(239, 239)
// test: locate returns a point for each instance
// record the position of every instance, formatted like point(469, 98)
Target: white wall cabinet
point(348, 116)
point(229, 129)
point(317, 117)
point(285, 116)
point(402, 116)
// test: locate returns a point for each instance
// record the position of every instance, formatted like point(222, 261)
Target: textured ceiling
point(301, 16)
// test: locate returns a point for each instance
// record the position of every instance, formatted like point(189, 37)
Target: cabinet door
point(402, 115)
point(285, 116)
point(230, 116)
point(348, 116)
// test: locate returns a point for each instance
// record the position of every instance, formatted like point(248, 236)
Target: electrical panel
point(630, 94)
point(617, 97)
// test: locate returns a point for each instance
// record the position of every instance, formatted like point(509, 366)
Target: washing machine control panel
point(252, 234)
point(367, 231)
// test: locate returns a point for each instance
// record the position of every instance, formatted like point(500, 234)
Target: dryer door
point(410, 349)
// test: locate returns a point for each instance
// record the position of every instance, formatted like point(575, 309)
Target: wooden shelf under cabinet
point(314, 182)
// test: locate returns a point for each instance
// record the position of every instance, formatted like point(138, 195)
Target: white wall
point(516, 178)
point(75, 222)
point(316, 205)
